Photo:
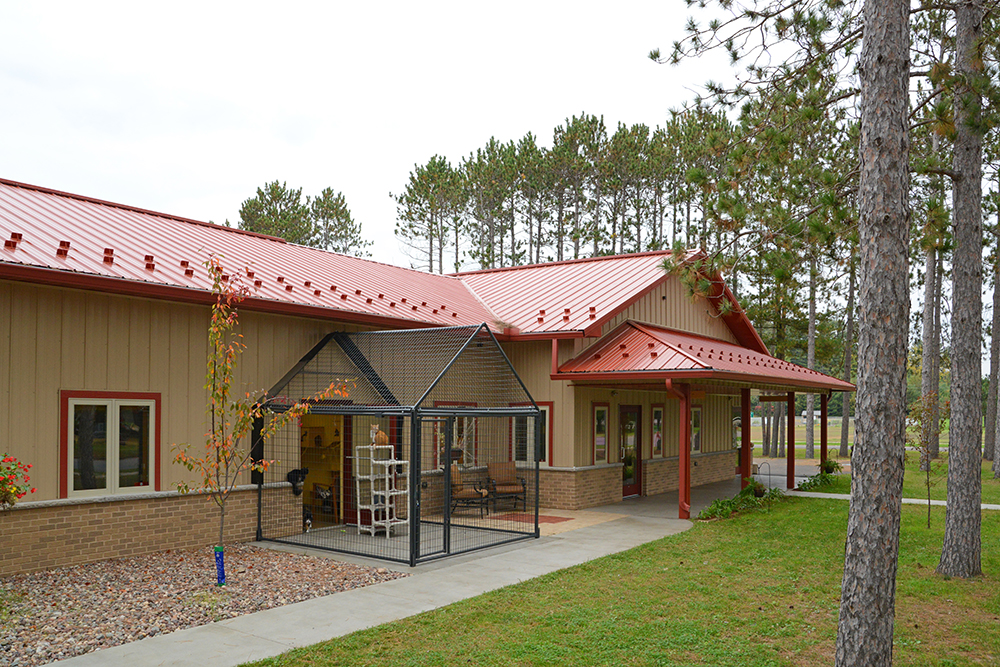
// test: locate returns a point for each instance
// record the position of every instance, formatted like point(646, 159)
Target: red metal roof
point(574, 295)
point(642, 352)
point(580, 296)
point(58, 238)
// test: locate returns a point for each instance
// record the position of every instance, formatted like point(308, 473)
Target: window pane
point(520, 438)
point(90, 447)
point(133, 445)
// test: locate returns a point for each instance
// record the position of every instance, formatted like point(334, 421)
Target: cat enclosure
point(433, 452)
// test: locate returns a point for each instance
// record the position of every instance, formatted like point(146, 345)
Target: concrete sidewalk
point(906, 501)
point(274, 631)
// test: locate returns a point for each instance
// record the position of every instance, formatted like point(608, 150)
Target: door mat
point(530, 518)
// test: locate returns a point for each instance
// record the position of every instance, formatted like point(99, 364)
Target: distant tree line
point(324, 221)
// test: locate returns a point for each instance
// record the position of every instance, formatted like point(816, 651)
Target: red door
point(629, 428)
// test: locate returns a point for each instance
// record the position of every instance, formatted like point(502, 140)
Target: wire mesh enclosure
point(433, 452)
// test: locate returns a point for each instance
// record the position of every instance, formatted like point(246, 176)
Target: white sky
point(188, 107)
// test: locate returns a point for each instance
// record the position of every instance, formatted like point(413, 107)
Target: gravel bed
point(56, 614)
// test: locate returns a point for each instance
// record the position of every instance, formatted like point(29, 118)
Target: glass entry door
point(629, 421)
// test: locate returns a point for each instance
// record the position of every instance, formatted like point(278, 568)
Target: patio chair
point(467, 496)
point(504, 484)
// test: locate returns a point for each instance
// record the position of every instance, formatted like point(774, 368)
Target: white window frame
point(531, 440)
point(112, 447)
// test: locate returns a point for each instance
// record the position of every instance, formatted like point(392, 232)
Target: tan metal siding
point(532, 360)
point(53, 339)
point(669, 305)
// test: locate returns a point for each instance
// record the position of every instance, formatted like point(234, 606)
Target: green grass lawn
point(915, 481)
point(757, 589)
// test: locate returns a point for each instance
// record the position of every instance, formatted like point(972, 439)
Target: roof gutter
point(706, 374)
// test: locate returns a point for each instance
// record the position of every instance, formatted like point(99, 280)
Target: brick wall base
point(59, 535)
point(579, 488)
point(661, 475)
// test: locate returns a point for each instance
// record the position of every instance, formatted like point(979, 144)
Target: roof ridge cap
point(579, 260)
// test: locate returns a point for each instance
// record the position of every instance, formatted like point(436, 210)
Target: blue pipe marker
point(220, 567)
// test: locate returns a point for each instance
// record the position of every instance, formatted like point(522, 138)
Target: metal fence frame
point(385, 402)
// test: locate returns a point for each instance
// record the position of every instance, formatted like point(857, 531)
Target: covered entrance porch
point(707, 388)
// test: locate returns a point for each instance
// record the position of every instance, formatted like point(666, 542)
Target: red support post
point(823, 414)
point(790, 447)
point(746, 451)
point(684, 464)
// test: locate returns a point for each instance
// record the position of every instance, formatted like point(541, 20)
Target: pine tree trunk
point(991, 401)
point(811, 358)
point(961, 552)
point(765, 446)
point(780, 431)
point(935, 445)
point(845, 406)
point(867, 603)
point(928, 383)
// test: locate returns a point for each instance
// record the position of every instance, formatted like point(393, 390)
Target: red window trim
point(551, 406)
point(593, 430)
point(64, 397)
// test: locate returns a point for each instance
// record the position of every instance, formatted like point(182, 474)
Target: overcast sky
point(188, 107)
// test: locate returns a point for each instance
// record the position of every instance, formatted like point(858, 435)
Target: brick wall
point(579, 488)
point(660, 475)
point(57, 535)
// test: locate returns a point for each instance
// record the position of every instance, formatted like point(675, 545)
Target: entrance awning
point(644, 353)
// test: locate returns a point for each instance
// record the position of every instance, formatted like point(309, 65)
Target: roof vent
point(357, 292)
point(435, 311)
point(288, 287)
point(653, 354)
point(392, 304)
point(343, 297)
point(109, 255)
point(624, 355)
point(413, 307)
point(542, 312)
point(333, 288)
point(597, 355)
point(318, 292)
point(257, 283)
point(541, 320)
point(381, 296)
point(423, 303)
point(454, 314)
point(224, 278)
point(151, 265)
point(566, 311)
point(622, 346)
point(190, 272)
point(16, 237)
point(650, 345)
point(63, 249)
point(185, 264)
point(250, 274)
point(307, 283)
point(281, 279)
point(369, 300)
point(593, 309)
point(565, 318)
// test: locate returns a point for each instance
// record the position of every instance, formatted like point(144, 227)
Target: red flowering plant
point(13, 481)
